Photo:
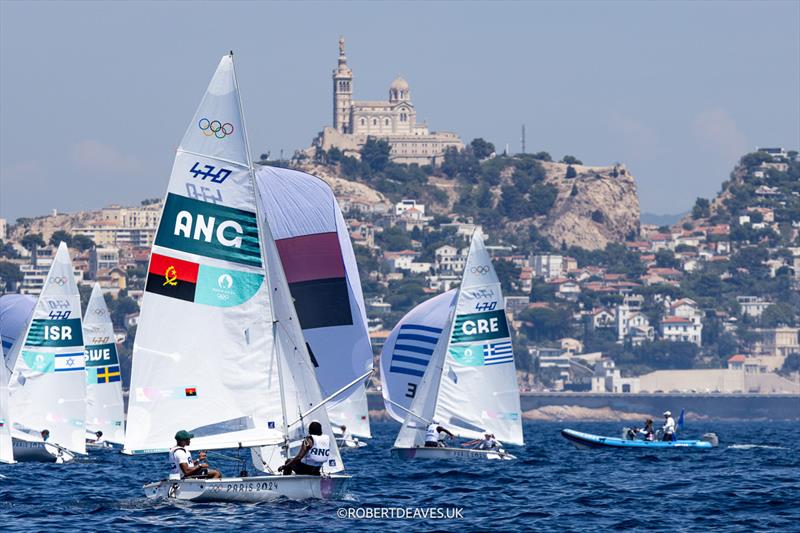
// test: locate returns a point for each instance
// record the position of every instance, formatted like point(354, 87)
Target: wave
point(756, 446)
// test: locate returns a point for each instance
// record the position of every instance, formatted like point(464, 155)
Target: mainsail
point(6, 447)
point(470, 385)
point(218, 350)
point(104, 406)
point(320, 266)
point(48, 385)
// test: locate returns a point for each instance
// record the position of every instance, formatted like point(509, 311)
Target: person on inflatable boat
point(668, 428)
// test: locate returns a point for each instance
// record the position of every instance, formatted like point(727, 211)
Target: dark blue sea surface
point(751, 482)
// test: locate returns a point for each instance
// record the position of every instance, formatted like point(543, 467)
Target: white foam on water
point(754, 446)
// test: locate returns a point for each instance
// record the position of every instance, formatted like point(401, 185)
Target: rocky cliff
point(597, 206)
point(593, 206)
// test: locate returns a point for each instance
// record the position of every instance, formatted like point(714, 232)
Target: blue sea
point(751, 482)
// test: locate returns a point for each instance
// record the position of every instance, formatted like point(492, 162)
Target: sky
point(95, 96)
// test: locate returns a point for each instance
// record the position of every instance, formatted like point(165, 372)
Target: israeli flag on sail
point(413, 349)
point(498, 353)
point(67, 362)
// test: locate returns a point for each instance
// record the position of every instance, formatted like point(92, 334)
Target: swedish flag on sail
point(108, 374)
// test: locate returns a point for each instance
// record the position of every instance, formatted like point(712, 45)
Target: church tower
point(342, 93)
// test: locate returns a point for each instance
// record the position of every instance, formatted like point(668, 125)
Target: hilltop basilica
point(394, 120)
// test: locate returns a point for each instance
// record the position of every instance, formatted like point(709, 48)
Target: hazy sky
point(95, 96)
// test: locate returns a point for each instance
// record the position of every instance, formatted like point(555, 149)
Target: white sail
point(104, 406)
point(48, 384)
point(470, 386)
point(6, 447)
point(200, 359)
point(302, 399)
point(320, 266)
point(352, 412)
point(15, 311)
point(408, 350)
point(478, 389)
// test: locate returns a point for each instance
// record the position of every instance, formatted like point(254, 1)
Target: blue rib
point(420, 327)
point(401, 370)
point(421, 338)
point(415, 349)
point(413, 360)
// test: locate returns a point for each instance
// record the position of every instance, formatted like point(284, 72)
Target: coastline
point(571, 406)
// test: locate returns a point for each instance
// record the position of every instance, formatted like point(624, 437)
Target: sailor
point(314, 453)
point(435, 435)
point(183, 466)
point(647, 430)
point(45, 434)
point(345, 434)
point(99, 438)
point(669, 427)
point(488, 442)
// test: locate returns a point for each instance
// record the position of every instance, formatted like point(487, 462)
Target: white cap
point(667, 413)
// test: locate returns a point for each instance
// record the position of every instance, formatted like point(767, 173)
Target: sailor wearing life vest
point(314, 453)
point(183, 465)
point(435, 435)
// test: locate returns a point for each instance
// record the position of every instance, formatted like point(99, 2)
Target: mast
point(267, 233)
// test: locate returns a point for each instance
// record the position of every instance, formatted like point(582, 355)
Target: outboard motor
point(710, 437)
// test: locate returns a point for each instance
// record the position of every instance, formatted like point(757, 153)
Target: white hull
point(250, 489)
point(451, 453)
point(41, 452)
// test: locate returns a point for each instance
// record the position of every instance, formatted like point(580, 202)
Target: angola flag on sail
point(172, 277)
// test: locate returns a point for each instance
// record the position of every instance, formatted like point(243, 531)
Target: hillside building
point(394, 120)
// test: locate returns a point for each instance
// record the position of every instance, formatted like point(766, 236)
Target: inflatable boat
point(587, 440)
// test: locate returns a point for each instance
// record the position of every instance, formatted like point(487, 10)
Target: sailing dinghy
point(450, 362)
point(219, 350)
point(105, 410)
point(317, 256)
point(47, 388)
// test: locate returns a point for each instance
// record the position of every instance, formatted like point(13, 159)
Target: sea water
point(751, 482)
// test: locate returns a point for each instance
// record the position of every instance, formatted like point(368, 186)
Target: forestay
point(200, 360)
point(104, 406)
point(408, 350)
point(47, 388)
point(314, 245)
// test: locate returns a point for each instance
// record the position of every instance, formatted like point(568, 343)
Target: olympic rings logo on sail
point(482, 269)
point(215, 128)
point(59, 280)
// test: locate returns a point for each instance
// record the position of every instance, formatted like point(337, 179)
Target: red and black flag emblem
point(315, 271)
point(172, 277)
point(191, 391)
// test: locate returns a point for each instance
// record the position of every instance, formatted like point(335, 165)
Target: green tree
point(571, 160)
point(701, 209)
point(32, 240)
point(82, 242)
point(60, 236)
point(481, 148)
point(571, 173)
point(542, 156)
point(375, 153)
point(9, 275)
point(778, 314)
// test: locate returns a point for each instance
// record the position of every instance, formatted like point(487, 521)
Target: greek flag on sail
point(498, 353)
point(413, 349)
